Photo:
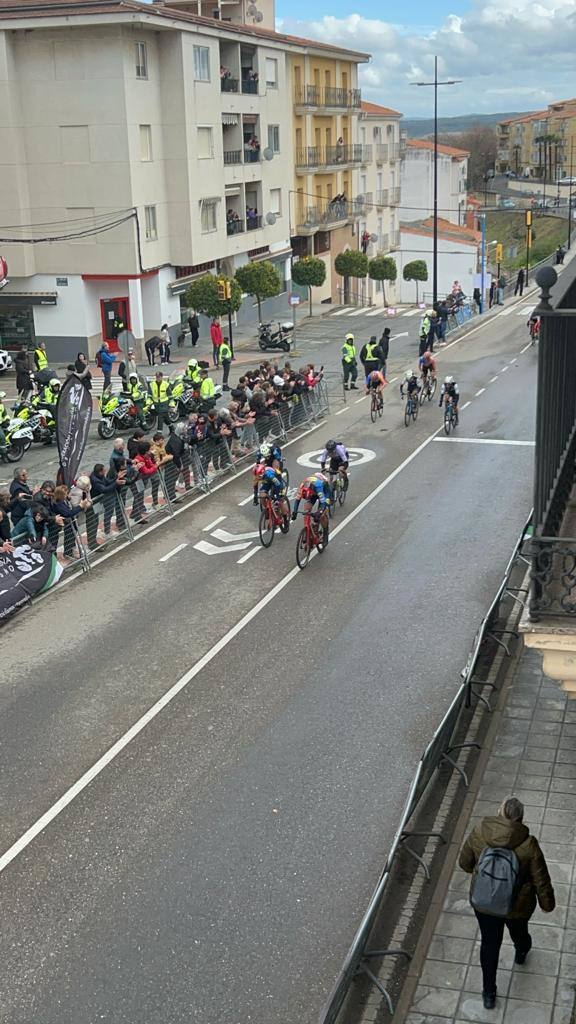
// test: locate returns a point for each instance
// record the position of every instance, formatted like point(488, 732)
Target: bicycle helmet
point(2, 395)
point(331, 446)
point(410, 374)
point(259, 470)
point(449, 380)
point(265, 449)
point(308, 492)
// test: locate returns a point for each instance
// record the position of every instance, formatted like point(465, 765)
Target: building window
point(208, 215)
point(274, 137)
point(150, 223)
point(202, 63)
point(141, 60)
point(271, 72)
point(145, 142)
point(276, 201)
point(205, 144)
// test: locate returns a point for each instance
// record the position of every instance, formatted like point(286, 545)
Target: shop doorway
point(17, 328)
point(115, 315)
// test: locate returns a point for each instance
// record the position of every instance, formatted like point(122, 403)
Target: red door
point(115, 315)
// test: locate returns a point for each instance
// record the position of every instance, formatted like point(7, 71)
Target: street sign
point(294, 299)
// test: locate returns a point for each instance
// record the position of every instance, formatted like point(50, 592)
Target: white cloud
point(510, 54)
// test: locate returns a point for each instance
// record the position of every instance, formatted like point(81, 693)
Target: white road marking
point(246, 500)
point(507, 312)
point(360, 399)
point(404, 334)
point(228, 538)
point(522, 350)
point(249, 554)
point(359, 312)
point(412, 312)
point(377, 312)
point(480, 392)
point(466, 405)
point(393, 381)
point(485, 440)
point(173, 552)
point(210, 549)
point(345, 409)
point(525, 310)
point(215, 523)
point(504, 368)
point(514, 360)
point(492, 379)
point(340, 312)
point(98, 767)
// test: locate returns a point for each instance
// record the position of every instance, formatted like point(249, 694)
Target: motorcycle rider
point(4, 420)
point(138, 396)
point(192, 373)
point(207, 390)
point(49, 396)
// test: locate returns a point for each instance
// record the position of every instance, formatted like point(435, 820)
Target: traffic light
point(228, 290)
point(499, 252)
point(222, 290)
point(528, 218)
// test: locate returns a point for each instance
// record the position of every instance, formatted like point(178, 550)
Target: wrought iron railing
point(252, 223)
point(250, 86)
point(394, 151)
point(325, 156)
point(232, 156)
point(381, 152)
point(251, 156)
point(553, 577)
point(366, 154)
point(394, 196)
point(235, 227)
point(229, 84)
point(394, 240)
point(329, 96)
point(382, 197)
point(326, 214)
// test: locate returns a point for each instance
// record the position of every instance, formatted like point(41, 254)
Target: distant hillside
point(419, 127)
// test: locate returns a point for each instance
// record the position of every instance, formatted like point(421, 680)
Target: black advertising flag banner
point(24, 572)
point(73, 415)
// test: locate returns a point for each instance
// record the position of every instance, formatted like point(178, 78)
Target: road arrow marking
point(403, 335)
point(229, 538)
point(210, 549)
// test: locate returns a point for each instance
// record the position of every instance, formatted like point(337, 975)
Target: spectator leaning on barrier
point(32, 528)
point(162, 460)
point(494, 844)
point(176, 447)
point(20, 495)
point(103, 491)
point(63, 509)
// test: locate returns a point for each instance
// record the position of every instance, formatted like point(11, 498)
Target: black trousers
point(492, 932)
point(350, 372)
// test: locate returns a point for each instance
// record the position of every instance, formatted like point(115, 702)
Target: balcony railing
point(382, 197)
point(250, 86)
point(327, 214)
point(235, 227)
point(394, 240)
point(383, 244)
point(394, 151)
point(229, 84)
point(326, 156)
point(232, 156)
point(329, 96)
point(381, 152)
point(253, 223)
point(366, 154)
point(403, 143)
point(394, 196)
point(251, 156)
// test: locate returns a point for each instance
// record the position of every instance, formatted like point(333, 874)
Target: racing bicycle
point(312, 535)
point(411, 409)
point(376, 404)
point(450, 416)
point(339, 487)
point(428, 388)
point(274, 514)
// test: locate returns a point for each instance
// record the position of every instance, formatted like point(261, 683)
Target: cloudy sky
point(511, 54)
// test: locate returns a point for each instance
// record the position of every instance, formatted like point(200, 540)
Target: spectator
point(133, 442)
point(507, 831)
point(20, 495)
point(147, 468)
point(32, 528)
point(82, 370)
point(166, 344)
point(24, 385)
point(103, 491)
point(107, 360)
point(63, 510)
point(492, 294)
point(560, 254)
point(150, 347)
point(519, 287)
point(160, 391)
point(500, 290)
point(131, 364)
point(384, 346)
point(365, 242)
point(217, 339)
point(181, 456)
point(162, 459)
point(5, 530)
point(80, 498)
point(194, 325)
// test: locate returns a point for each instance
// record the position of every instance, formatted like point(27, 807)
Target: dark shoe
point(489, 1000)
point(353, 387)
point(520, 956)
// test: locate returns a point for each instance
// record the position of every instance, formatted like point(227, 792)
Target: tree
point(416, 271)
point(350, 263)
point(202, 295)
point(383, 268)
point(480, 142)
point(309, 272)
point(261, 280)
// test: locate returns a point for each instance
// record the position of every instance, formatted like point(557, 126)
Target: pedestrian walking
point(217, 339)
point(492, 294)
point(560, 254)
point(500, 290)
point(226, 360)
point(24, 384)
point(349, 363)
point(519, 287)
point(194, 325)
point(106, 362)
point(510, 877)
point(150, 347)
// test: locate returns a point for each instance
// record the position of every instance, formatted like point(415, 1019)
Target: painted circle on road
point(357, 457)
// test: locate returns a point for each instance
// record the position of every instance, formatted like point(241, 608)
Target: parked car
point(5, 360)
point(507, 204)
point(566, 181)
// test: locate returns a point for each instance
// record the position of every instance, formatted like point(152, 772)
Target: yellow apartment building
point(539, 144)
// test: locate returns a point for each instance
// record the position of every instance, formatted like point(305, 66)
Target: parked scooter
point(270, 338)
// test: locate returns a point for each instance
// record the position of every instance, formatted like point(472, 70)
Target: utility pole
point(435, 84)
point(528, 244)
point(483, 263)
point(570, 187)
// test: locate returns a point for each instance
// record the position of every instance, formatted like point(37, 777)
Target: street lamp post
point(435, 84)
point(570, 187)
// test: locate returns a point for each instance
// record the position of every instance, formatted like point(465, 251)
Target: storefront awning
point(230, 119)
point(16, 300)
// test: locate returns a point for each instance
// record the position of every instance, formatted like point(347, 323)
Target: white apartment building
point(379, 186)
point(417, 182)
point(167, 125)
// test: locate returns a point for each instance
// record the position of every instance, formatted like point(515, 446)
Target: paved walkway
point(534, 758)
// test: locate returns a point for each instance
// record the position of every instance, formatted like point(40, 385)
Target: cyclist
point(533, 325)
point(339, 459)
point(267, 455)
point(376, 381)
point(411, 385)
point(314, 489)
point(427, 365)
point(450, 391)
point(272, 483)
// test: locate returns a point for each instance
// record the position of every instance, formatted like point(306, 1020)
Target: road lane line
point(504, 368)
point(339, 413)
point(514, 360)
point(112, 753)
point(404, 334)
point(525, 347)
point(466, 405)
point(229, 538)
point(246, 500)
point(480, 392)
point(485, 440)
point(173, 552)
point(360, 399)
point(492, 379)
point(249, 554)
point(340, 312)
point(206, 529)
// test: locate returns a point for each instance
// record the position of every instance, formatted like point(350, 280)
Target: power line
point(70, 236)
point(65, 223)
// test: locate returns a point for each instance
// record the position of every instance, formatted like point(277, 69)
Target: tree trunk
point(383, 294)
point(259, 309)
point(310, 297)
point(416, 291)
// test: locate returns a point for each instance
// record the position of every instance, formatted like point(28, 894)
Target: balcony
point(326, 215)
point(366, 154)
point(393, 196)
point(403, 143)
point(250, 86)
point(381, 152)
point(383, 244)
point(232, 156)
point(308, 157)
point(329, 96)
point(394, 153)
point(234, 226)
point(253, 222)
point(252, 156)
point(382, 197)
point(228, 84)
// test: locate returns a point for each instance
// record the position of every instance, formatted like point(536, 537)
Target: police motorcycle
point(18, 440)
point(118, 412)
point(40, 420)
point(270, 337)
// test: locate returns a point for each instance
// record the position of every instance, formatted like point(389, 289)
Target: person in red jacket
point(217, 339)
point(147, 468)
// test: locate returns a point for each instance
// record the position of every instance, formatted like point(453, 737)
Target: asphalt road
point(216, 868)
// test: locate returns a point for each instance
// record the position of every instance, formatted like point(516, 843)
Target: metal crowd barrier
point(438, 752)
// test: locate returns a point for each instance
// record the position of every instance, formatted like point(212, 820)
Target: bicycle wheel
point(286, 477)
point(266, 528)
point(373, 409)
point(407, 412)
point(415, 408)
point(447, 420)
point(322, 542)
point(454, 419)
point(423, 394)
point(432, 389)
point(381, 406)
point(341, 493)
point(302, 549)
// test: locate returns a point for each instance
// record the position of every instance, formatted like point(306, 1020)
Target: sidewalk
point(533, 757)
